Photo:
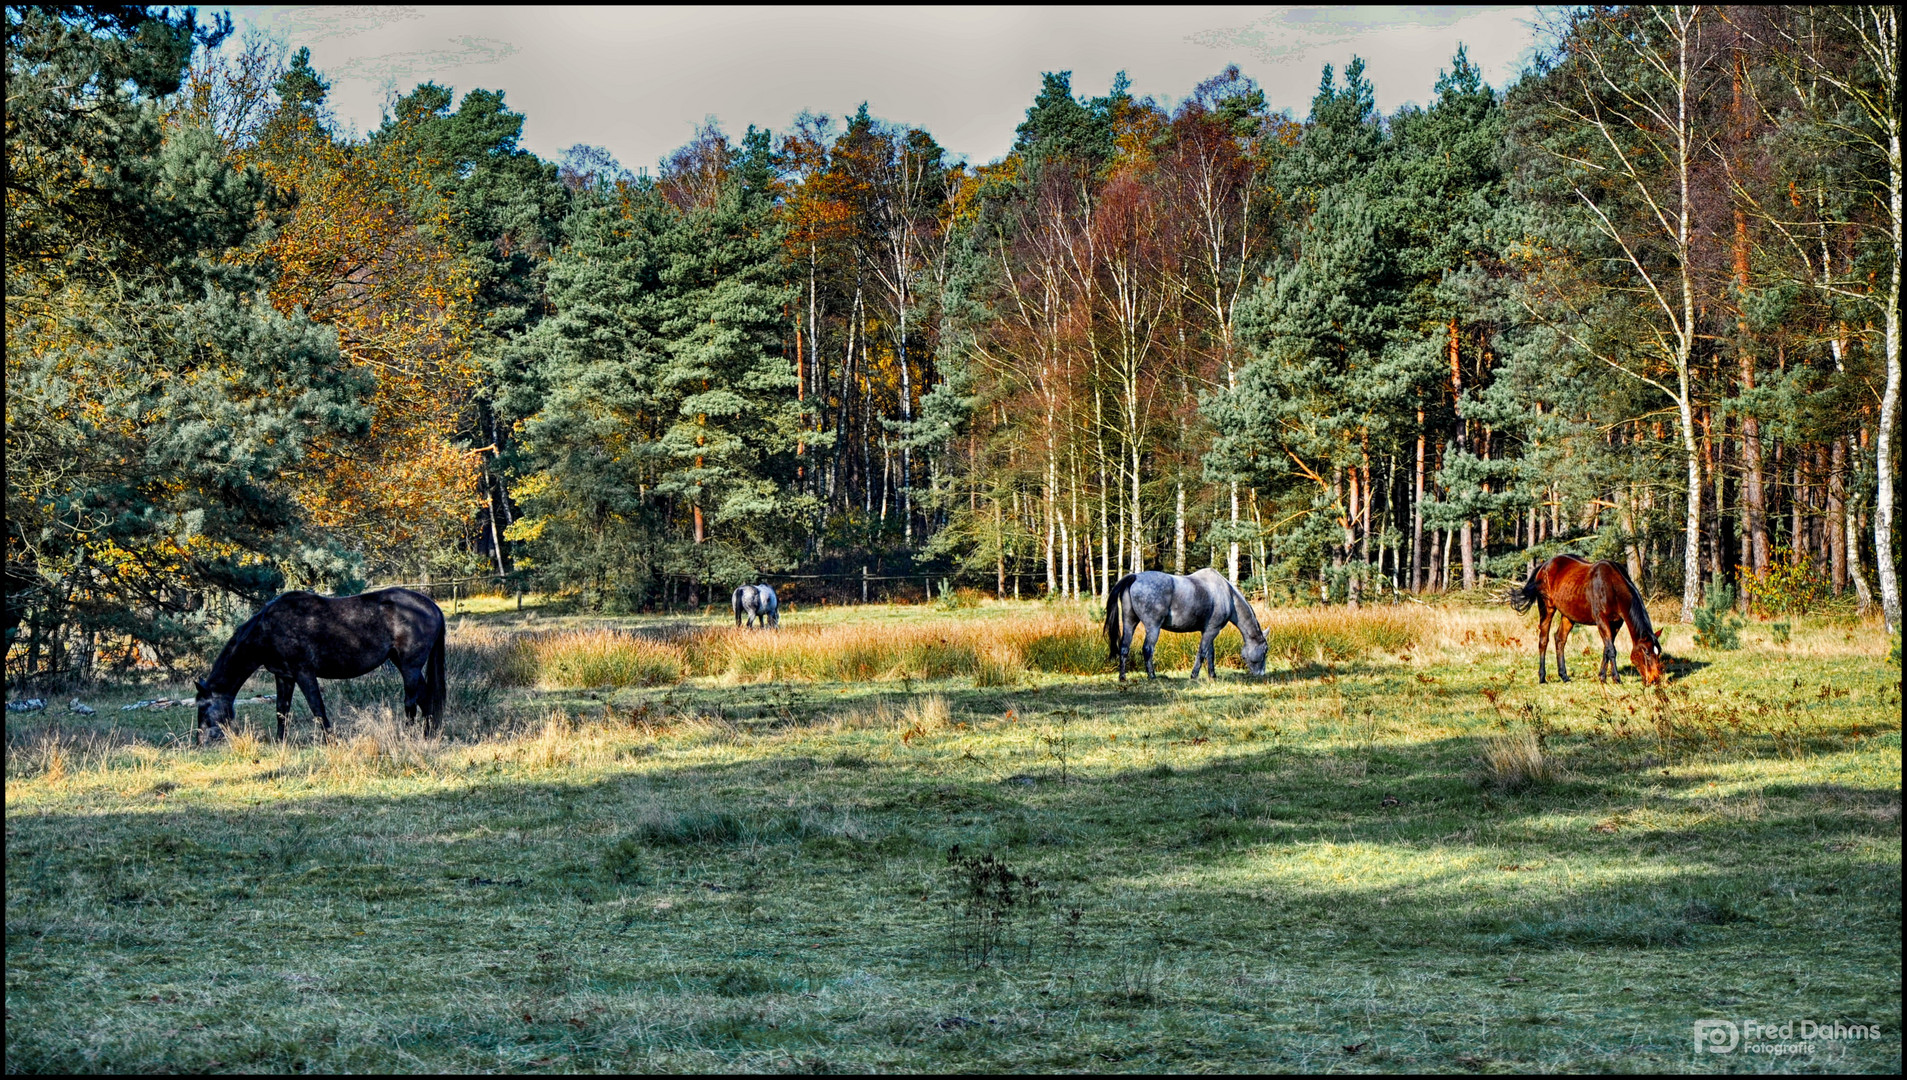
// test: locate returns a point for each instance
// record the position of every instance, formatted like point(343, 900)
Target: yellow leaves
point(525, 529)
point(367, 252)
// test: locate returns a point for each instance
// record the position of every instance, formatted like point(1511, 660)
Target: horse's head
point(1647, 657)
point(1254, 655)
point(215, 713)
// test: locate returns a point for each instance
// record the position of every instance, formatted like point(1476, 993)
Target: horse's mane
point(1246, 617)
point(1638, 611)
point(227, 660)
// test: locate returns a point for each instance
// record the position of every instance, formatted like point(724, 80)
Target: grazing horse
point(302, 637)
point(1202, 602)
point(759, 604)
point(1579, 591)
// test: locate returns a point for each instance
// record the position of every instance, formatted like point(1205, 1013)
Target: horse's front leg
point(1609, 653)
point(284, 704)
point(308, 683)
point(1152, 638)
point(1563, 627)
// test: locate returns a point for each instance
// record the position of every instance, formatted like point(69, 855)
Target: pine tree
point(153, 395)
point(1315, 395)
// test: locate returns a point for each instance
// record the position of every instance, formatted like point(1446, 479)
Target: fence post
point(863, 584)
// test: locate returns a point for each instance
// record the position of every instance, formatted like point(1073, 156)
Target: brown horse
point(1579, 591)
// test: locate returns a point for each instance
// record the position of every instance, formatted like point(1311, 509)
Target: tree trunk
point(1178, 532)
point(1837, 514)
point(1890, 410)
point(1417, 514)
point(1231, 558)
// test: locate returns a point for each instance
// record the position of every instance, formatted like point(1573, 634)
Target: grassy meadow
point(925, 838)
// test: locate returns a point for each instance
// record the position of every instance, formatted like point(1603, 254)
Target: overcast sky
point(637, 80)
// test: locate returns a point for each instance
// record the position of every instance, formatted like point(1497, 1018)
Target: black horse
point(302, 637)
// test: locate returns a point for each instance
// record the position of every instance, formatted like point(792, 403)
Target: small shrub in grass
point(622, 861)
point(1716, 624)
point(1781, 632)
point(1789, 587)
point(952, 599)
point(990, 909)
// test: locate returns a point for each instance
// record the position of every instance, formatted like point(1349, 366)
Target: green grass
point(1395, 842)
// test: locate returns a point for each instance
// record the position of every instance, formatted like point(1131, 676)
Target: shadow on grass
point(773, 878)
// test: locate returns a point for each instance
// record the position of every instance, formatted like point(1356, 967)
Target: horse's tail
point(1113, 622)
point(1522, 597)
point(434, 681)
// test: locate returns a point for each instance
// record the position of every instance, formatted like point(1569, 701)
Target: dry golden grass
point(1516, 762)
point(580, 659)
point(998, 652)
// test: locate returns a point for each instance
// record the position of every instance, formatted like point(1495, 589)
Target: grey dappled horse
point(1204, 601)
point(759, 604)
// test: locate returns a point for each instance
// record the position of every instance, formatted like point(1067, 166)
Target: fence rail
point(461, 587)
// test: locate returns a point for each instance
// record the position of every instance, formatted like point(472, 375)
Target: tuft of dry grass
point(1331, 634)
point(581, 659)
point(930, 713)
point(1516, 762)
point(53, 751)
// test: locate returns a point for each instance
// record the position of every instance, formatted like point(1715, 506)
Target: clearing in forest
point(895, 838)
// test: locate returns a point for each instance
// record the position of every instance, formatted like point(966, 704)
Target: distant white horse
point(1202, 602)
point(759, 604)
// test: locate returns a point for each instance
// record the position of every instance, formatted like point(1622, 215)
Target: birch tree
point(1626, 136)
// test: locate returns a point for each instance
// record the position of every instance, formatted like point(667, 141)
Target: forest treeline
point(1642, 304)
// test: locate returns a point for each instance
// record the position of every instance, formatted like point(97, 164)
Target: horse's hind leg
point(414, 689)
point(1542, 644)
point(1152, 638)
point(284, 705)
point(1563, 627)
point(1125, 645)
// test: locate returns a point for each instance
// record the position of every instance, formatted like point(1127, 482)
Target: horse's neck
point(1245, 617)
point(235, 664)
